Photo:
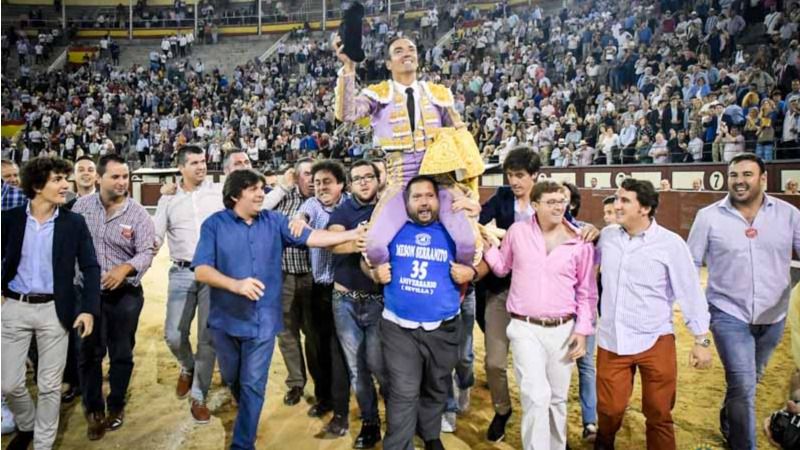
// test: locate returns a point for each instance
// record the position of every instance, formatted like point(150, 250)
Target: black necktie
point(410, 106)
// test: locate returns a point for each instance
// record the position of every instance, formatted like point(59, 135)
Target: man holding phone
point(41, 244)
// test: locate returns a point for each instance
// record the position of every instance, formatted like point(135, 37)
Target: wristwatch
point(705, 342)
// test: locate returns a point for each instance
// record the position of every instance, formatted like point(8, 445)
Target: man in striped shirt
point(645, 269)
point(124, 239)
point(12, 195)
point(331, 382)
point(293, 189)
point(746, 240)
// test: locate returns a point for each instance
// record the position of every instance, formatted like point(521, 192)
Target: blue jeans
point(357, 328)
point(744, 350)
point(764, 151)
point(244, 365)
point(587, 386)
point(184, 297)
point(464, 373)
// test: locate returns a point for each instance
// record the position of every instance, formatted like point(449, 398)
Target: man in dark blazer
point(672, 115)
point(41, 244)
point(508, 205)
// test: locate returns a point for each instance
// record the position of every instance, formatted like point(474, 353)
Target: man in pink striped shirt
point(553, 297)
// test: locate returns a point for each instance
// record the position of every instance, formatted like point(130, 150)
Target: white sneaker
point(449, 422)
point(463, 400)
point(9, 425)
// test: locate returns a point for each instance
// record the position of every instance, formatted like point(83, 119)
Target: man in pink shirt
point(553, 297)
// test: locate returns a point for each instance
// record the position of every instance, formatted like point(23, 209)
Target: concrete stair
point(11, 68)
point(225, 56)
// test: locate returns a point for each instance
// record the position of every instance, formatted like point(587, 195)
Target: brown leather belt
point(548, 322)
point(33, 299)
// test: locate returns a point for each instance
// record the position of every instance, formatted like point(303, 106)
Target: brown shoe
point(184, 384)
point(200, 412)
point(115, 420)
point(97, 426)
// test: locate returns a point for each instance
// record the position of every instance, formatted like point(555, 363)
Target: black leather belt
point(33, 299)
point(183, 264)
point(450, 320)
point(358, 296)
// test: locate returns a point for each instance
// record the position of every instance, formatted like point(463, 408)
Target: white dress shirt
point(179, 217)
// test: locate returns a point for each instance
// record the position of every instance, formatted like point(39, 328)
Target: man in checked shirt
point(294, 188)
point(124, 239)
point(331, 383)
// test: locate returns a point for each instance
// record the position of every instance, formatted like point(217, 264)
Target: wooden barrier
point(677, 207)
point(680, 176)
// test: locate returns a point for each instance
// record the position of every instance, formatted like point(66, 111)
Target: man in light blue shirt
point(39, 300)
point(746, 240)
point(645, 269)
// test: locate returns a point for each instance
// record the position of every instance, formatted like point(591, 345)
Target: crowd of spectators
point(630, 82)
point(276, 110)
point(603, 83)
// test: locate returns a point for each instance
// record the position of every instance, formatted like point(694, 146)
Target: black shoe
point(369, 436)
point(293, 396)
point(497, 429)
point(724, 428)
point(590, 432)
point(319, 410)
point(22, 440)
point(70, 394)
point(115, 420)
point(435, 444)
point(337, 427)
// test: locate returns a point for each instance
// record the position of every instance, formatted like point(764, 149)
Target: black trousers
point(115, 334)
point(71, 373)
point(324, 352)
point(418, 365)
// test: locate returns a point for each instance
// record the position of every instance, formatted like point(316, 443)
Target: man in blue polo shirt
point(239, 256)
point(358, 302)
point(419, 328)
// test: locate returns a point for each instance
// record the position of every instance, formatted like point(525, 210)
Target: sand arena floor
point(156, 419)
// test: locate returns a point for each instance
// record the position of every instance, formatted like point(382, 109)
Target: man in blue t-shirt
point(419, 328)
point(239, 256)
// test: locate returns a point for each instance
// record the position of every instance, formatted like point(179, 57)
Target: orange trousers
point(659, 371)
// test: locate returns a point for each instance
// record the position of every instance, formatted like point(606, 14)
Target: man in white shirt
point(178, 219)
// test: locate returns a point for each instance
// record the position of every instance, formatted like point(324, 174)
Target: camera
point(785, 429)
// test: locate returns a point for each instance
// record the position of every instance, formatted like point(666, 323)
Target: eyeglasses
point(553, 203)
point(365, 178)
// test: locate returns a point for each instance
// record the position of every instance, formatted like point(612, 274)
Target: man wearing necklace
point(124, 237)
point(746, 240)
